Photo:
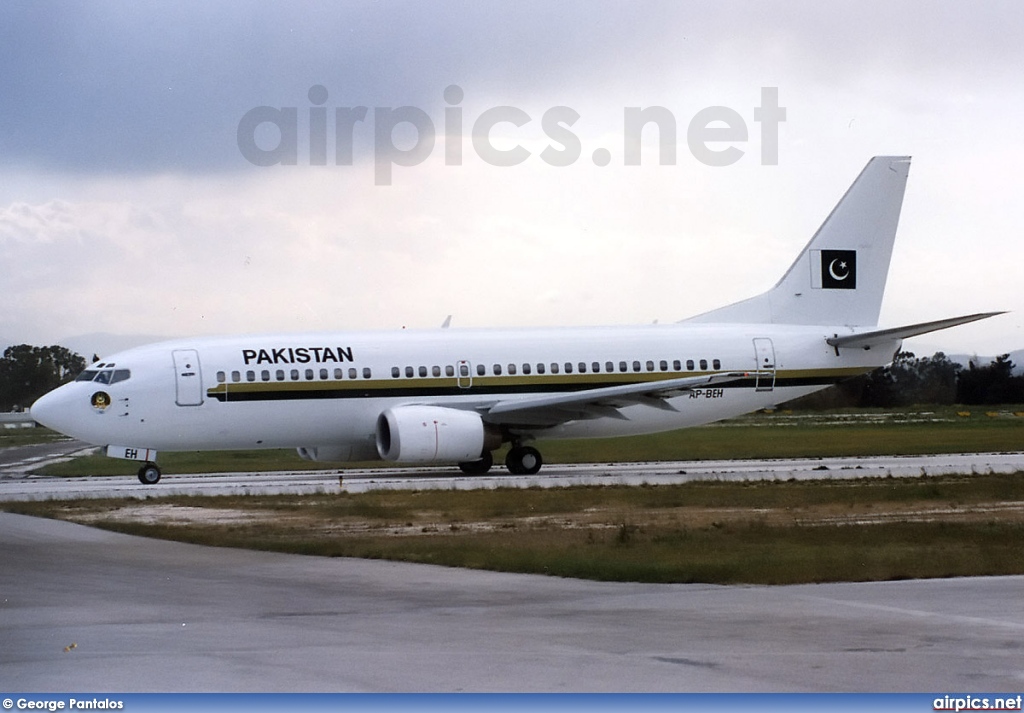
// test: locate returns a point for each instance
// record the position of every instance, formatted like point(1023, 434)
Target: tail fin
point(839, 278)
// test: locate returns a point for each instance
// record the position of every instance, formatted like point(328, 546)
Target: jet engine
point(427, 434)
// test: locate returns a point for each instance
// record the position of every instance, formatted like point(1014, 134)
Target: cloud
point(122, 88)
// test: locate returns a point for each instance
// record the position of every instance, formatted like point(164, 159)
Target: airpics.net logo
point(715, 135)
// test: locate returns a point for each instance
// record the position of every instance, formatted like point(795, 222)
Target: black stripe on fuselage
point(278, 391)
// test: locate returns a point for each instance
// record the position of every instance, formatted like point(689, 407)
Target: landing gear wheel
point(149, 474)
point(478, 467)
point(523, 460)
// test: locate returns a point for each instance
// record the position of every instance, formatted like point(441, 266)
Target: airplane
point(454, 396)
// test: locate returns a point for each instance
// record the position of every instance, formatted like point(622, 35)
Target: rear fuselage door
point(765, 375)
point(188, 379)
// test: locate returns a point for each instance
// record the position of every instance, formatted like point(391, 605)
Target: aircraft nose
point(51, 410)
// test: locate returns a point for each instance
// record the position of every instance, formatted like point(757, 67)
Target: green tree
point(992, 384)
point(28, 372)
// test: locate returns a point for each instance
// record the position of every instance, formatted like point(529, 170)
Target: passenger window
point(650, 366)
point(338, 373)
point(676, 366)
point(689, 365)
point(221, 377)
point(366, 372)
point(435, 371)
point(568, 367)
point(280, 374)
point(636, 366)
point(449, 370)
point(295, 375)
point(512, 369)
point(583, 367)
point(703, 364)
point(236, 376)
point(324, 374)
point(481, 370)
point(716, 364)
point(409, 372)
point(554, 367)
point(540, 368)
point(422, 371)
point(395, 372)
point(622, 366)
point(265, 375)
point(309, 375)
point(663, 365)
point(250, 376)
point(609, 367)
point(526, 368)
point(496, 369)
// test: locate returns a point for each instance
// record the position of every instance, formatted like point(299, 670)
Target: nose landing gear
point(149, 474)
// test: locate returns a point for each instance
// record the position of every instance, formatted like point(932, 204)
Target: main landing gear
point(149, 474)
point(521, 460)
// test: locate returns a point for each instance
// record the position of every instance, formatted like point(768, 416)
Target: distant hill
point(964, 360)
point(102, 344)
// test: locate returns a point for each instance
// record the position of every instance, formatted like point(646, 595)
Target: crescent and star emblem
point(842, 267)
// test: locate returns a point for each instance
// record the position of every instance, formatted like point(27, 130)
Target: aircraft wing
point(866, 340)
point(546, 411)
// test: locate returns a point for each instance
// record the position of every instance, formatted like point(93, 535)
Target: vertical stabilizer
point(839, 278)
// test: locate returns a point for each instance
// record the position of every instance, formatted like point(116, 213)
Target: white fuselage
point(327, 390)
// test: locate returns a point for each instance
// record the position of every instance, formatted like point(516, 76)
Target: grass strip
point(725, 533)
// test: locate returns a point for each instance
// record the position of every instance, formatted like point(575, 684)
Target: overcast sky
point(127, 205)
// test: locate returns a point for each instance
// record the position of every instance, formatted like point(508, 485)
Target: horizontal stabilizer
point(867, 340)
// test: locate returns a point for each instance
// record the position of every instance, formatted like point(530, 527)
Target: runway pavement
point(87, 610)
point(18, 484)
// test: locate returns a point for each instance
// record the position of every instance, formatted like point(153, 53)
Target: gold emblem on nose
point(100, 400)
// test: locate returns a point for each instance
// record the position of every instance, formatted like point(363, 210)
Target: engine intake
point(429, 434)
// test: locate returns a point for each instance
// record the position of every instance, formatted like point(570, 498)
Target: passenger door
point(188, 378)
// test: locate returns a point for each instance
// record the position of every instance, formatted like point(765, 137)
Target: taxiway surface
point(148, 615)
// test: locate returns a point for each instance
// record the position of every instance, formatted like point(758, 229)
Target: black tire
point(523, 460)
point(149, 474)
point(478, 467)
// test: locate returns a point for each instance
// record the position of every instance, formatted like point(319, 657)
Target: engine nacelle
point(428, 434)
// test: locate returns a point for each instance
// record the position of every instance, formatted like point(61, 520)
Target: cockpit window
point(120, 375)
point(107, 376)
